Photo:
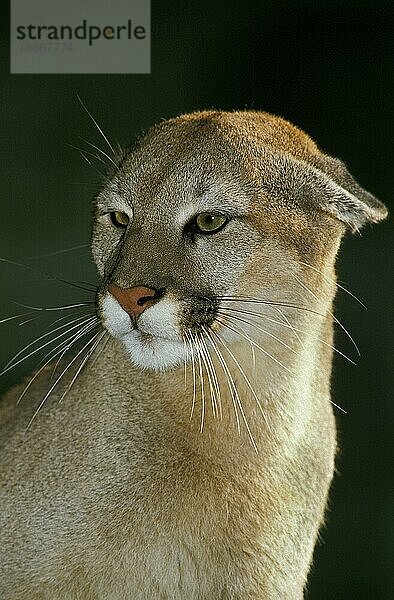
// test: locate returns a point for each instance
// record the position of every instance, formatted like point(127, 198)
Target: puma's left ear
point(343, 197)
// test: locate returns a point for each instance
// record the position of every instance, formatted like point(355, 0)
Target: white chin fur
point(153, 352)
point(157, 344)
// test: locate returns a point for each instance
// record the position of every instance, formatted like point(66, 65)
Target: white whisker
point(74, 339)
point(262, 330)
point(83, 152)
point(247, 383)
point(11, 364)
point(101, 151)
point(295, 329)
point(282, 314)
point(341, 287)
point(305, 287)
point(15, 317)
point(49, 392)
point(51, 308)
point(270, 303)
point(97, 125)
point(28, 321)
point(253, 356)
point(202, 388)
point(57, 252)
point(245, 420)
point(256, 345)
point(59, 319)
point(185, 363)
point(230, 382)
point(213, 373)
point(50, 355)
point(190, 341)
point(339, 407)
point(89, 353)
point(102, 348)
point(211, 390)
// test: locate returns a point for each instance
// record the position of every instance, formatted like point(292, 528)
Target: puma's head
point(208, 208)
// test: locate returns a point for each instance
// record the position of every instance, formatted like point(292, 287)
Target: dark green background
point(326, 66)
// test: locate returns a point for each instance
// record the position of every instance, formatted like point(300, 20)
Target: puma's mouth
point(155, 341)
point(150, 338)
point(148, 351)
point(145, 337)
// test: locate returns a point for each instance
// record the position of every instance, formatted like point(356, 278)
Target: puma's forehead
point(202, 149)
point(245, 129)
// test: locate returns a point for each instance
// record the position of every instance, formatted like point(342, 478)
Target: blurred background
point(327, 67)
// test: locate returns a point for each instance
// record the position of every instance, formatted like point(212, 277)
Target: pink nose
point(134, 300)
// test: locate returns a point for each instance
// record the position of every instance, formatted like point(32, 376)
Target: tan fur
point(114, 492)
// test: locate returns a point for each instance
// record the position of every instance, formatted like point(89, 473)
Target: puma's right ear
point(344, 198)
point(323, 182)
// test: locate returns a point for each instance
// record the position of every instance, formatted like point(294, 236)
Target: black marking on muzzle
point(200, 311)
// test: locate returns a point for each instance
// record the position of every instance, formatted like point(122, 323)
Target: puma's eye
point(208, 223)
point(119, 219)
